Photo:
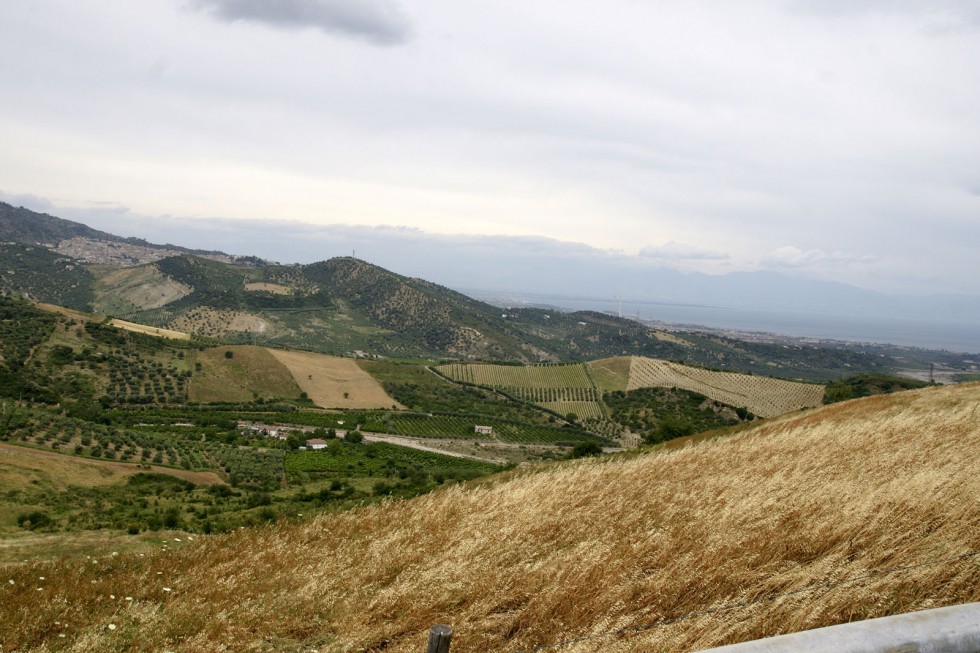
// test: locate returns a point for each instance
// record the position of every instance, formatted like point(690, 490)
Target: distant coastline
point(947, 335)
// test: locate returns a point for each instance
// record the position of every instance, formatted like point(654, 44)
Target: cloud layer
point(838, 141)
point(375, 20)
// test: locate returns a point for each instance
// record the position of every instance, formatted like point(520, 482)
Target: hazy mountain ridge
point(88, 245)
point(348, 306)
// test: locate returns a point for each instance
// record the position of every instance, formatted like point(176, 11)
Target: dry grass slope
point(575, 550)
point(150, 330)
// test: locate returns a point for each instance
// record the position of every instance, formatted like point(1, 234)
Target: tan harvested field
point(764, 396)
point(250, 373)
point(803, 502)
point(273, 288)
point(334, 382)
point(150, 330)
point(67, 312)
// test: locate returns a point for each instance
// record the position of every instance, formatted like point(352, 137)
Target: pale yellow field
point(799, 504)
point(334, 382)
point(274, 288)
point(764, 396)
point(150, 330)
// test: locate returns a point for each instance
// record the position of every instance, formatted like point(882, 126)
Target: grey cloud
point(32, 202)
point(791, 256)
point(950, 12)
point(379, 21)
point(674, 251)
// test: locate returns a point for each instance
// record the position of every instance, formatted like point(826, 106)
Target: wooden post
point(439, 637)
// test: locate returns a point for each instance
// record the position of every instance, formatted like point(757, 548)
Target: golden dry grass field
point(334, 382)
point(274, 288)
point(574, 550)
point(150, 330)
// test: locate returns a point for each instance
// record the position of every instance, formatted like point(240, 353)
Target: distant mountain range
point(347, 306)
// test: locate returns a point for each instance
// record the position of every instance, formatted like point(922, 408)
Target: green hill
point(349, 307)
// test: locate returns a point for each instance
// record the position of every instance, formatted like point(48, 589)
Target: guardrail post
point(440, 636)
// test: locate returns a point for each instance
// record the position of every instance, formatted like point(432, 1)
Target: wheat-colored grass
point(334, 382)
point(150, 330)
point(574, 550)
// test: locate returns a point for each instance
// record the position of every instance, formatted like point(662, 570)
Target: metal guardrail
point(954, 629)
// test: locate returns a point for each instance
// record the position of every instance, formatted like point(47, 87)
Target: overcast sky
point(834, 139)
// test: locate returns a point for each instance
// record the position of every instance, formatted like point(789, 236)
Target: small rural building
point(483, 430)
point(316, 443)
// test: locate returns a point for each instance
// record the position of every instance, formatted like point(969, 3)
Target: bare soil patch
point(334, 382)
point(218, 322)
point(145, 288)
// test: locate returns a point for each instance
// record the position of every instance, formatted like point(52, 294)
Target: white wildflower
point(112, 626)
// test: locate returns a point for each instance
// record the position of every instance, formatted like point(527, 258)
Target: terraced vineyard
point(562, 389)
point(764, 396)
point(519, 376)
point(581, 409)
